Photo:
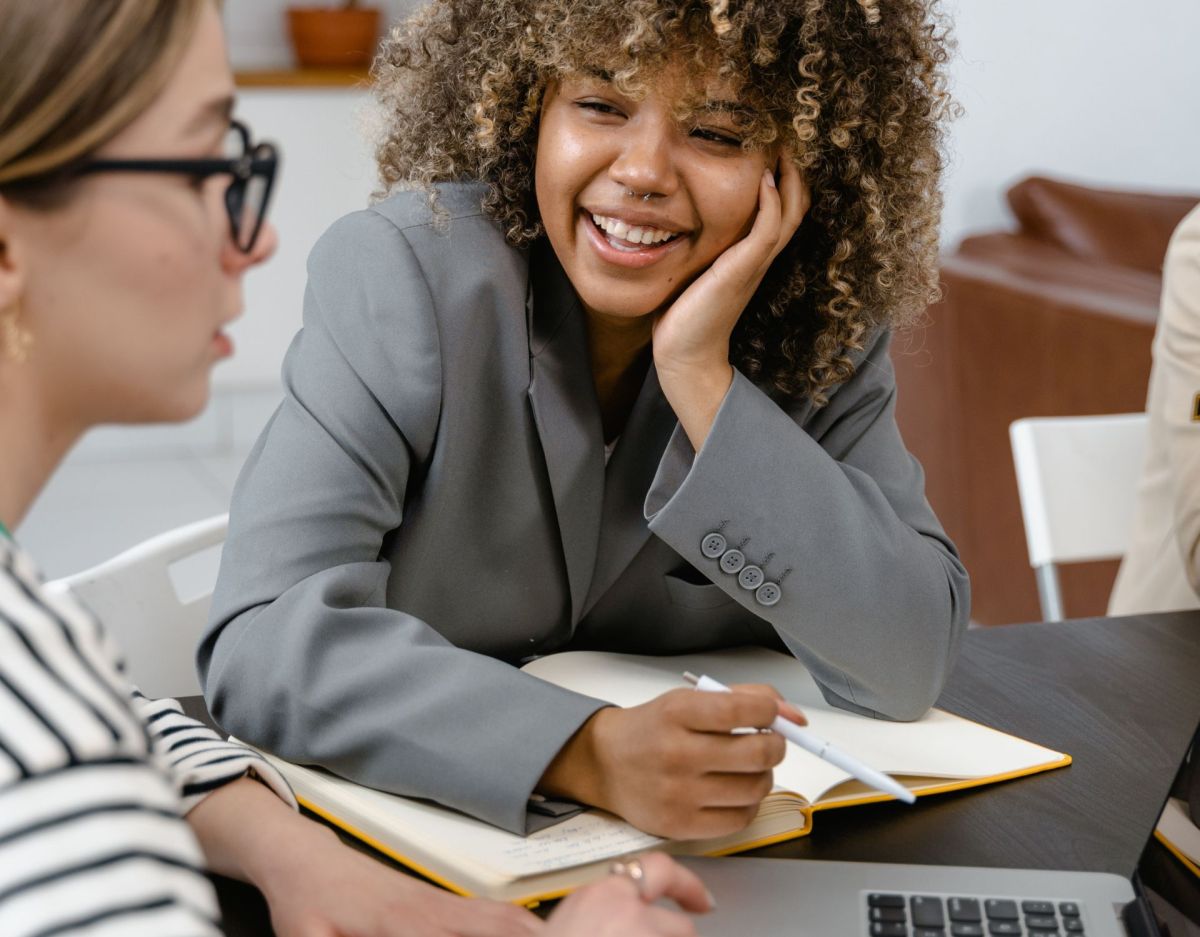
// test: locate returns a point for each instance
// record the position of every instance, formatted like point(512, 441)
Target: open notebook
point(939, 752)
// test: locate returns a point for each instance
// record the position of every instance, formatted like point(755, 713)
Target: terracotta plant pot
point(331, 37)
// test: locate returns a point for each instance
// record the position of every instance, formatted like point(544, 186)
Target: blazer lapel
point(567, 414)
point(623, 527)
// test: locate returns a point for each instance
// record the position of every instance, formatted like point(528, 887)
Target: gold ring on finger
point(632, 870)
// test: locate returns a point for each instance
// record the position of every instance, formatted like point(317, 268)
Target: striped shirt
point(95, 780)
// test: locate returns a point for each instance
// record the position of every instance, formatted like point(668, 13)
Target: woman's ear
point(15, 337)
point(12, 272)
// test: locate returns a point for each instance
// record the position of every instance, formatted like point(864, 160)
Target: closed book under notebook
point(939, 752)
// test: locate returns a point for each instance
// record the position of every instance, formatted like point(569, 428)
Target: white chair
point(136, 597)
point(1077, 477)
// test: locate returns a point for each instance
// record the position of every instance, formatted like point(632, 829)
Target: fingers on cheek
point(772, 196)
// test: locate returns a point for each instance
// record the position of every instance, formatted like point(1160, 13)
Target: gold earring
point(15, 339)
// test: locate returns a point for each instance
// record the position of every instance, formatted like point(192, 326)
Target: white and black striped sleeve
point(91, 831)
point(199, 760)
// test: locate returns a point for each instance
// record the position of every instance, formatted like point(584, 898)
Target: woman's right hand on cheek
point(621, 907)
point(671, 766)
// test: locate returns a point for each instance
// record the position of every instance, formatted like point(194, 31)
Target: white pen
point(818, 746)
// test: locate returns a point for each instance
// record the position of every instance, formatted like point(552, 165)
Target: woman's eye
point(599, 107)
point(197, 180)
point(715, 136)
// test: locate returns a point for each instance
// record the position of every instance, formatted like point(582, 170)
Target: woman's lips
point(641, 256)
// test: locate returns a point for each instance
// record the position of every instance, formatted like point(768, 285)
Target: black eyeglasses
point(252, 166)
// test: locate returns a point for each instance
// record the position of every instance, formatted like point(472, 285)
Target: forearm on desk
point(421, 718)
point(243, 828)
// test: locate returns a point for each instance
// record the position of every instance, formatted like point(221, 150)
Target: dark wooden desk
point(1122, 696)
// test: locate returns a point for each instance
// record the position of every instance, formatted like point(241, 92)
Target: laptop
point(805, 898)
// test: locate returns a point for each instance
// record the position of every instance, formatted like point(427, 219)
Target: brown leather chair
point(1053, 319)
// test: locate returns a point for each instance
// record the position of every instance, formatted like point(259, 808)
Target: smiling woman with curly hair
point(606, 366)
point(852, 91)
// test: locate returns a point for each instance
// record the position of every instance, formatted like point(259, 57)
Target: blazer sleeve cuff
point(682, 503)
point(780, 525)
point(527, 816)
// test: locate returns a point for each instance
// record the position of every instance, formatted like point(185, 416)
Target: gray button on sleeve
point(751, 577)
point(713, 545)
point(768, 593)
point(732, 561)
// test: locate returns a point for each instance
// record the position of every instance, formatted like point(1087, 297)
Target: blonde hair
point(73, 74)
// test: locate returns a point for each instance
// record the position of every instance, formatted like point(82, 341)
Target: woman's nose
point(645, 163)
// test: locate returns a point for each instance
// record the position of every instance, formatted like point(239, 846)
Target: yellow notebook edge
point(947, 787)
point(766, 840)
point(380, 847)
point(806, 810)
point(531, 901)
point(334, 820)
point(1177, 853)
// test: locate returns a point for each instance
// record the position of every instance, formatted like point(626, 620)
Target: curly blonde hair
point(854, 89)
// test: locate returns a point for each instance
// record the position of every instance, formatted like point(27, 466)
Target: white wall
point(1104, 91)
point(1095, 90)
point(327, 170)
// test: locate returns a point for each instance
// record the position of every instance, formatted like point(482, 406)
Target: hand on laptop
point(622, 905)
point(671, 766)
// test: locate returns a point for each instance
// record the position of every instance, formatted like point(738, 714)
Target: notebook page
point(939, 745)
point(494, 853)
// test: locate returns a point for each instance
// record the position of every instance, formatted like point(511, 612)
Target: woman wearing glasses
point(129, 212)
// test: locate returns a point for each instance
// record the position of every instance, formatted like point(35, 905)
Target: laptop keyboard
point(900, 915)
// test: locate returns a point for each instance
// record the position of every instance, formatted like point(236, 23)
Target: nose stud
point(645, 197)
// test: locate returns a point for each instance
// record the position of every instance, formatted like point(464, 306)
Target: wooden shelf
point(304, 78)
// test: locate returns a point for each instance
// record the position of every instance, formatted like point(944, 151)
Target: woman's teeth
point(624, 236)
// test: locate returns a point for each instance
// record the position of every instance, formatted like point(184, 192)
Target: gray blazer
point(430, 505)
